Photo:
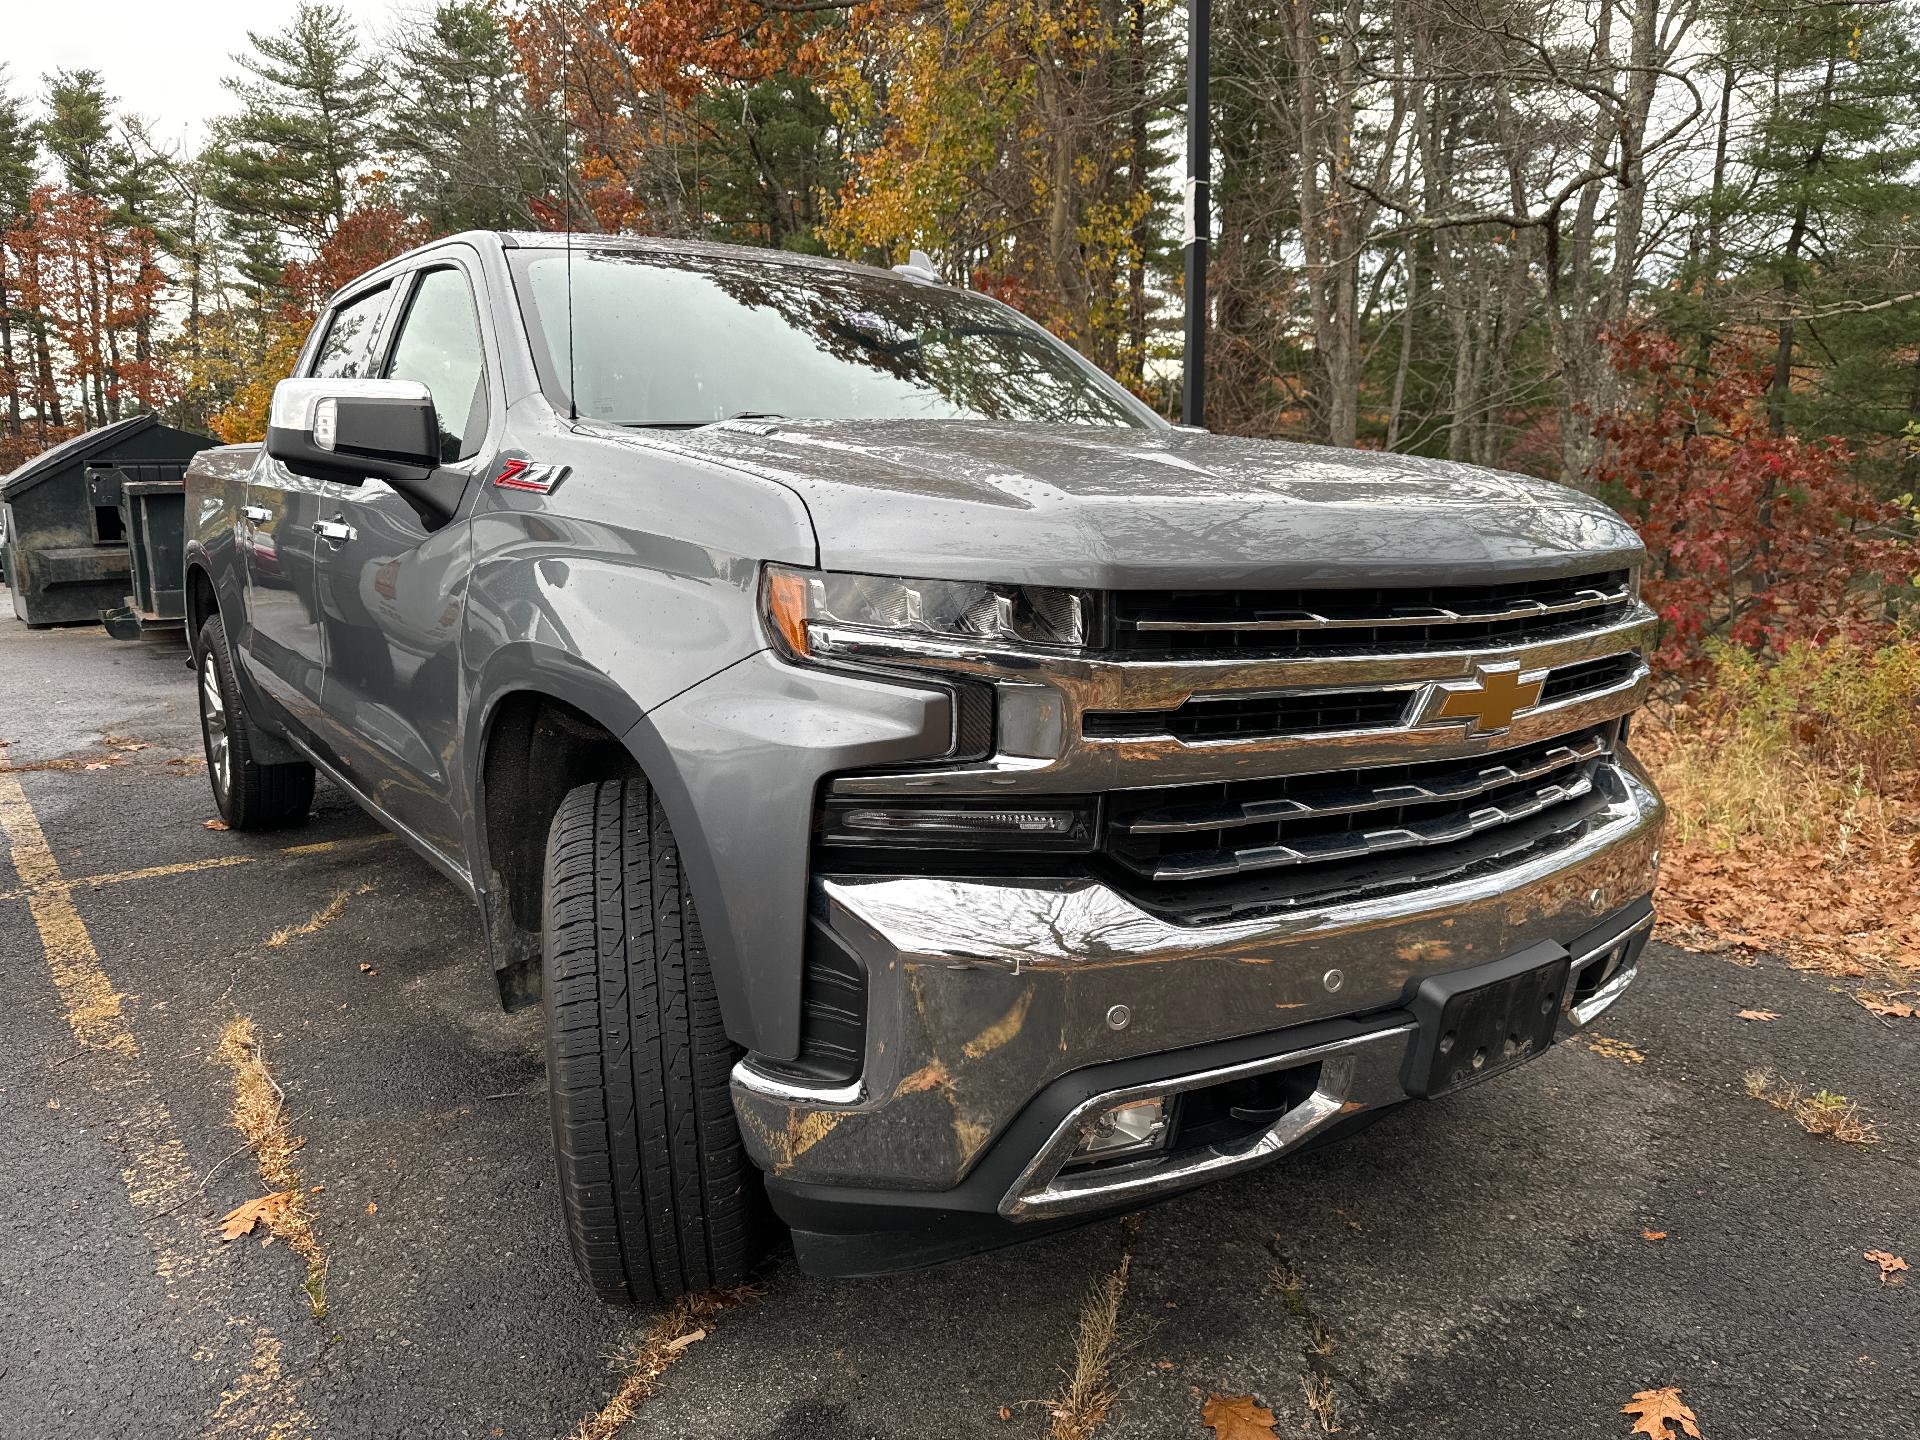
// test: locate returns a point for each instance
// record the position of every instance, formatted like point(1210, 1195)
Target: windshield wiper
point(699, 424)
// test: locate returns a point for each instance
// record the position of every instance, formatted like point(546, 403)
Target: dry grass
point(259, 1114)
point(1292, 1286)
point(1320, 1401)
point(320, 918)
point(1081, 1407)
point(1793, 786)
point(687, 1320)
point(1821, 1113)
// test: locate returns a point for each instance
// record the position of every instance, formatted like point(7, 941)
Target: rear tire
point(659, 1196)
point(250, 795)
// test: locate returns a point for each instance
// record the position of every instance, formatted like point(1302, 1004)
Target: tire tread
point(654, 1178)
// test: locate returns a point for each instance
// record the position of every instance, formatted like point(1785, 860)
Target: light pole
point(1193, 370)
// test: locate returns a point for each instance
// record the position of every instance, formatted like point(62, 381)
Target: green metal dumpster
point(151, 496)
point(68, 555)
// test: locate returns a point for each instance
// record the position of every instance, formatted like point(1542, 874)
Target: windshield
point(689, 340)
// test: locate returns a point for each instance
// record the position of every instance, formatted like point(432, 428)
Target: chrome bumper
point(1361, 1073)
point(983, 992)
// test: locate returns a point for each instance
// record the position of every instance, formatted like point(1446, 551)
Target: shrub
point(1805, 742)
point(1754, 539)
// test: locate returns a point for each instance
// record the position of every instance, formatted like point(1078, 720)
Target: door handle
point(258, 514)
point(335, 532)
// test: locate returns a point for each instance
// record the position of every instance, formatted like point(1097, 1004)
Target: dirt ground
point(1480, 1267)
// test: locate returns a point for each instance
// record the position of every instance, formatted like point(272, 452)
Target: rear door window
point(347, 351)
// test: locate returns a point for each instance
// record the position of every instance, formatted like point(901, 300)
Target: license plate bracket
point(1481, 1022)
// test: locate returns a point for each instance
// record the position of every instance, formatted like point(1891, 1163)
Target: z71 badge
point(519, 474)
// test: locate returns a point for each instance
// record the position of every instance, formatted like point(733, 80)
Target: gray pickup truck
point(936, 800)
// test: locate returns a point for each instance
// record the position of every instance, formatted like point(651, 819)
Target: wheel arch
point(557, 725)
point(202, 601)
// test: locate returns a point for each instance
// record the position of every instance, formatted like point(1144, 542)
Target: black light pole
point(1193, 370)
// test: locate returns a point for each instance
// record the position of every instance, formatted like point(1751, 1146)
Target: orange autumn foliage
point(369, 235)
point(96, 283)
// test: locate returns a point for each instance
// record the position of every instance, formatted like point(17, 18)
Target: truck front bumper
point(1002, 1014)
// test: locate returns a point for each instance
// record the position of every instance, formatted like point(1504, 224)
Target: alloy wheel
point(213, 720)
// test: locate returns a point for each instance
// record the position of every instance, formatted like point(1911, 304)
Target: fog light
point(1137, 1126)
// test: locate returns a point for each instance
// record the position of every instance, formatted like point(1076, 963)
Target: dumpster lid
point(67, 452)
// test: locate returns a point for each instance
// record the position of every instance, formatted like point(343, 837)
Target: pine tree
point(765, 164)
point(468, 154)
point(19, 163)
point(307, 115)
point(78, 132)
point(1832, 190)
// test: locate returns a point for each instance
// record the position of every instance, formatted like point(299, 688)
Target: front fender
point(737, 761)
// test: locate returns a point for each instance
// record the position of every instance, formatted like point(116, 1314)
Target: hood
point(1122, 508)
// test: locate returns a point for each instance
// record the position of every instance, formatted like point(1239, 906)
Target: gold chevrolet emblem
point(1489, 702)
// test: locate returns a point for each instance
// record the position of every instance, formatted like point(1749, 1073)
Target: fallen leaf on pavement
point(1886, 1007)
point(1890, 1265)
point(1616, 1050)
point(215, 824)
point(1758, 1015)
point(1653, 1234)
point(243, 1217)
point(675, 1346)
point(1237, 1417)
point(1006, 1413)
point(1657, 1409)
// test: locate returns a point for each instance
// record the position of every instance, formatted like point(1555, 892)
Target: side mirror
point(351, 430)
point(354, 430)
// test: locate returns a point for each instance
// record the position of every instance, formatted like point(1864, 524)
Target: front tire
point(250, 795)
point(659, 1196)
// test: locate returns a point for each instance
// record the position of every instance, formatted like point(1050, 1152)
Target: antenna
point(566, 219)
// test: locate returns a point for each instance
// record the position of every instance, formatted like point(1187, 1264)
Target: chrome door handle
point(337, 532)
point(258, 514)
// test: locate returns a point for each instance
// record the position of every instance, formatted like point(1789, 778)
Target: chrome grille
point(1215, 718)
point(1290, 622)
point(1204, 852)
point(1247, 716)
point(1588, 676)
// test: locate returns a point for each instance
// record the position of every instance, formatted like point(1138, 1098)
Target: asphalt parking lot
point(1478, 1267)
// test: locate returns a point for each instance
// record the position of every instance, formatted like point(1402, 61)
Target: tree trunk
point(1138, 160)
point(1782, 386)
point(6, 349)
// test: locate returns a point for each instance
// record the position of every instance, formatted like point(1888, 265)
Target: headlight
point(1013, 616)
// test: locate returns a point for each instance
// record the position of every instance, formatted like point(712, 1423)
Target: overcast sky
point(164, 62)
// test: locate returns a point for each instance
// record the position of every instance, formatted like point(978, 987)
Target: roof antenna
point(566, 219)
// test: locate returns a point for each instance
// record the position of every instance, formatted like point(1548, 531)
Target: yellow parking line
point(211, 862)
point(160, 872)
point(328, 847)
point(158, 1179)
point(93, 1006)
